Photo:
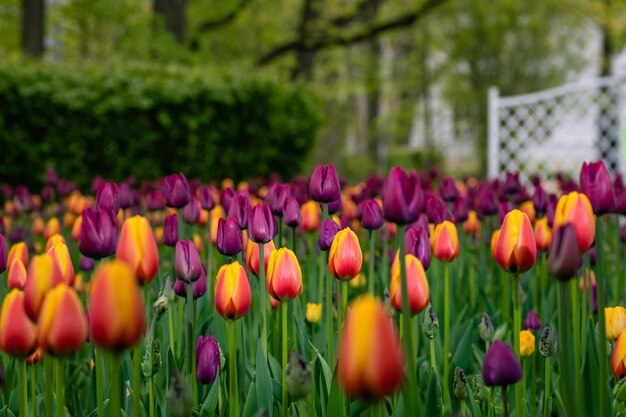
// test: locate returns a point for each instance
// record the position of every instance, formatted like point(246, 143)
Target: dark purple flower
point(155, 201)
point(170, 229)
point(226, 197)
point(371, 214)
point(328, 230)
point(300, 190)
point(487, 202)
point(503, 210)
point(176, 190)
point(207, 359)
point(540, 201)
point(460, 210)
point(277, 194)
point(551, 209)
point(191, 212)
point(500, 366)
point(23, 200)
point(261, 227)
point(3, 254)
point(564, 257)
point(187, 264)
point(324, 184)
point(51, 177)
point(417, 244)
point(595, 183)
point(240, 210)
point(98, 233)
point(592, 256)
point(46, 194)
point(198, 287)
point(532, 321)
point(511, 184)
point(291, 212)
point(402, 197)
point(205, 195)
point(334, 207)
point(448, 190)
point(436, 209)
point(620, 202)
point(16, 235)
point(229, 240)
point(126, 195)
point(86, 264)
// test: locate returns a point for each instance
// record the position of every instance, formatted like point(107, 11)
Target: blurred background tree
point(400, 81)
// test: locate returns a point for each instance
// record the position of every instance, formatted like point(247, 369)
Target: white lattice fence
point(557, 129)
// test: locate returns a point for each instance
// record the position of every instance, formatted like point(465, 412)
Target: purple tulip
point(126, 195)
point(540, 201)
point(229, 240)
point(3, 254)
point(23, 200)
point(417, 244)
point(46, 194)
point(65, 187)
point(300, 190)
point(277, 194)
point(335, 206)
point(291, 212)
point(155, 201)
point(511, 184)
point(595, 183)
point(402, 197)
point(176, 190)
point(448, 190)
point(328, 230)
point(261, 227)
point(226, 197)
point(371, 214)
point(487, 202)
point(500, 366)
point(240, 210)
point(205, 195)
point(51, 177)
point(187, 264)
point(107, 197)
point(564, 257)
point(170, 229)
point(16, 235)
point(436, 209)
point(98, 233)
point(191, 212)
point(324, 184)
point(504, 208)
point(198, 288)
point(86, 264)
point(460, 210)
point(207, 359)
point(532, 322)
point(551, 209)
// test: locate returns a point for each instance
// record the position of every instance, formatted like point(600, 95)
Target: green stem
point(600, 278)
point(446, 331)
point(293, 241)
point(329, 319)
point(577, 358)
point(115, 392)
point(23, 389)
point(284, 403)
point(505, 402)
point(190, 336)
point(99, 382)
point(136, 379)
point(433, 364)
point(472, 282)
point(524, 403)
point(33, 390)
point(344, 301)
point(547, 397)
point(376, 409)
point(151, 395)
point(232, 371)
point(370, 277)
point(564, 346)
point(410, 389)
point(517, 326)
point(263, 298)
point(60, 388)
point(170, 325)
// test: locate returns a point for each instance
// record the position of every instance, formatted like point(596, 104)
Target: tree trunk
point(306, 59)
point(374, 50)
point(174, 14)
point(33, 13)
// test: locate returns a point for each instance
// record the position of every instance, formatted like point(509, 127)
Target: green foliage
point(147, 121)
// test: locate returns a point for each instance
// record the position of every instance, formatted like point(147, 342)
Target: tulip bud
point(532, 322)
point(595, 183)
point(516, 249)
point(500, 366)
point(277, 194)
point(448, 190)
point(436, 210)
point(313, 313)
point(170, 229)
point(417, 285)
point(232, 291)
point(176, 190)
point(198, 288)
point(17, 275)
point(151, 363)
point(481, 393)
point(239, 209)
point(615, 321)
point(261, 224)
point(179, 397)
point(430, 323)
point(327, 234)
point(126, 196)
point(187, 264)
point(207, 359)
point(299, 376)
point(460, 211)
point(205, 195)
point(402, 197)
point(371, 215)
point(191, 211)
point(284, 277)
point(137, 247)
point(547, 341)
point(107, 197)
point(291, 212)
point(575, 208)
point(61, 327)
point(324, 184)
point(445, 242)
point(460, 385)
point(417, 244)
point(98, 233)
point(564, 257)
point(527, 343)
point(229, 240)
point(345, 257)
point(311, 216)
point(53, 227)
point(17, 333)
point(76, 228)
point(485, 328)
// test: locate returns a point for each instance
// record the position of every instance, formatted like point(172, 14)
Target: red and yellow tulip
point(417, 285)
point(252, 255)
point(138, 249)
point(543, 234)
point(44, 273)
point(445, 241)
point(576, 208)
point(516, 249)
point(61, 327)
point(18, 251)
point(17, 275)
point(345, 257)
point(17, 333)
point(61, 256)
point(232, 291)
point(311, 216)
point(284, 277)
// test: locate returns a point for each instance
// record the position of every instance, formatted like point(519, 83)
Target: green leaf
point(263, 381)
point(432, 403)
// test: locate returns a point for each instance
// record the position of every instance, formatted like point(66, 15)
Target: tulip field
point(414, 294)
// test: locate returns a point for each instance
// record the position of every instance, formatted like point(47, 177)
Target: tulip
point(563, 257)
point(86, 264)
point(232, 291)
point(596, 184)
point(76, 228)
point(345, 258)
point(543, 234)
point(98, 235)
point(311, 216)
point(187, 264)
point(460, 210)
point(618, 357)
point(471, 226)
point(207, 359)
point(17, 275)
point(500, 366)
point(313, 313)
point(540, 201)
point(44, 273)
point(327, 234)
point(324, 184)
point(116, 311)
point(284, 277)
point(205, 195)
point(51, 176)
point(229, 240)
point(170, 229)
point(276, 197)
point(516, 249)
point(532, 321)
point(436, 210)
point(576, 208)
point(17, 333)
point(61, 326)
point(527, 343)
point(261, 224)
point(372, 215)
point(485, 328)
point(38, 226)
point(18, 251)
point(370, 358)
point(126, 197)
point(291, 212)
point(107, 197)
point(226, 196)
point(53, 240)
point(417, 244)
point(417, 285)
point(402, 197)
point(61, 255)
point(448, 190)
point(615, 321)
point(176, 190)
point(334, 207)
point(445, 242)
point(252, 256)
point(3, 254)
point(137, 247)
point(53, 227)
point(155, 201)
point(191, 211)
point(239, 209)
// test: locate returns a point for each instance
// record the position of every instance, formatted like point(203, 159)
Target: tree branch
point(325, 40)
point(209, 25)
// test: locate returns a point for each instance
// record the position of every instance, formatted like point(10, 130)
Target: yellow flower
point(615, 321)
point(358, 281)
point(313, 313)
point(526, 343)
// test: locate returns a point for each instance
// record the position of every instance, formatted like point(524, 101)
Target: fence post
point(493, 122)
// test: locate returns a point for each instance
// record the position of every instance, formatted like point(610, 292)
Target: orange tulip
point(494, 242)
point(53, 240)
point(17, 275)
point(615, 321)
point(197, 242)
point(38, 226)
point(345, 257)
point(284, 277)
point(61, 327)
point(471, 226)
point(528, 208)
point(311, 216)
point(252, 255)
point(44, 273)
point(232, 291)
point(370, 357)
point(543, 234)
point(61, 256)
point(137, 247)
point(576, 208)
point(116, 313)
point(53, 227)
point(417, 285)
point(17, 333)
point(445, 242)
point(18, 251)
point(618, 357)
point(68, 220)
point(516, 249)
point(78, 223)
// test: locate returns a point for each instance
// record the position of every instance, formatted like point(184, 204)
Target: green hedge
point(147, 122)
